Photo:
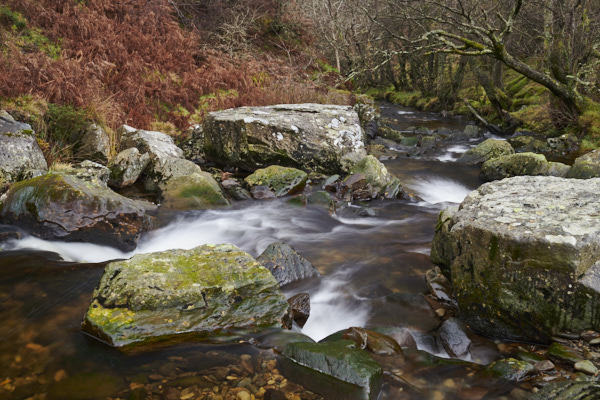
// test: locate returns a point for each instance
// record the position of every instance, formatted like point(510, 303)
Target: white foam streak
point(440, 190)
point(332, 309)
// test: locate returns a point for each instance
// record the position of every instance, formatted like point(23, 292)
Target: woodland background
point(163, 64)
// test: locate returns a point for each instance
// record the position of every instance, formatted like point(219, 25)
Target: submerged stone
point(177, 293)
point(314, 364)
point(524, 257)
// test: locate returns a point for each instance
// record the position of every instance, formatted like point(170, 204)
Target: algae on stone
point(523, 254)
point(160, 296)
point(197, 191)
point(281, 180)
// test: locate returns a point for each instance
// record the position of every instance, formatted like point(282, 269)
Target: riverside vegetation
point(113, 130)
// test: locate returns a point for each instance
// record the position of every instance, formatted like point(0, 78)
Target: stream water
point(45, 287)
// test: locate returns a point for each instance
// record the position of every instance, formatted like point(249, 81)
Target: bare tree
point(566, 33)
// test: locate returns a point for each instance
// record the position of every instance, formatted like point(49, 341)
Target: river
point(45, 287)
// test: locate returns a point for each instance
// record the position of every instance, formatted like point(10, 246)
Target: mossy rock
point(61, 206)
point(282, 181)
point(528, 144)
point(181, 294)
point(487, 150)
point(523, 257)
point(520, 164)
point(585, 167)
point(568, 390)
point(312, 364)
point(510, 369)
point(197, 191)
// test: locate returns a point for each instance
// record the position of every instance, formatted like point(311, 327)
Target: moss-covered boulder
point(282, 181)
point(161, 170)
point(524, 257)
point(197, 191)
point(311, 137)
point(510, 369)
point(487, 150)
point(586, 166)
point(336, 370)
point(61, 206)
point(20, 154)
point(378, 177)
point(520, 164)
point(175, 294)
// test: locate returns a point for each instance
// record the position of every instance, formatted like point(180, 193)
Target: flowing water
point(373, 276)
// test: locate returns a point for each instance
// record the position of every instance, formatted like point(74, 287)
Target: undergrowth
point(134, 63)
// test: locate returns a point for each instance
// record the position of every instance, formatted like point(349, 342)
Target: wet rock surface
point(286, 264)
point(160, 296)
point(282, 181)
point(521, 164)
point(197, 191)
point(358, 375)
point(61, 206)
point(487, 150)
point(523, 255)
point(311, 137)
point(585, 167)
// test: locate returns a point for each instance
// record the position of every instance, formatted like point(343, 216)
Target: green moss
point(12, 18)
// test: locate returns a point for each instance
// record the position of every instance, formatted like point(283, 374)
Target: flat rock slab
point(166, 295)
point(311, 137)
point(524, 255)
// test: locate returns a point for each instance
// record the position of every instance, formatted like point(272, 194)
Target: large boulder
point(310, 137)
point(586, 166)
point(521, 164)
point(355, 374)
point(177, 293)
point(197, 191)
point(61, 206)
point(282, 181)
point(487, 150)
point(524, 257)
point(286, 264)
point(126, 167)
point(20, 154)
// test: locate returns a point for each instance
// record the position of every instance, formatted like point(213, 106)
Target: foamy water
point(436, 190)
